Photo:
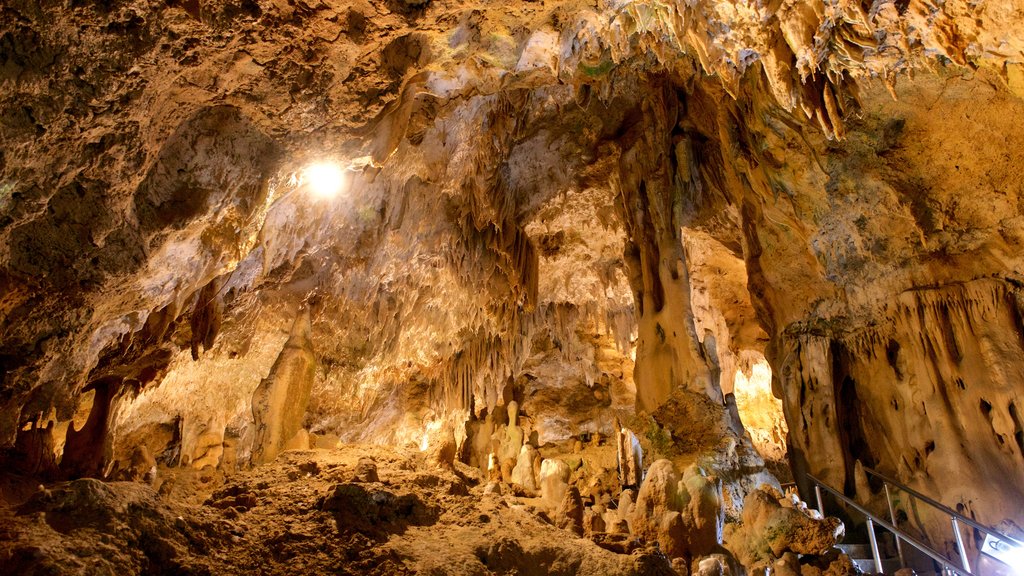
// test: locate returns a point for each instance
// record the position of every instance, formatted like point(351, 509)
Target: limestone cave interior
point(466, 287)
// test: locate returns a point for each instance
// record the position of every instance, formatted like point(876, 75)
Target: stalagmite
point(279, 403)
point(554, 482)
point(85, 450)
point(630, 458)
point(513, 440)
point(523, 473)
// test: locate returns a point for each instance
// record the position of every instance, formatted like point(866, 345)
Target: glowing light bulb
point(325, 179)
point(1004, 552)
point(1016, 560)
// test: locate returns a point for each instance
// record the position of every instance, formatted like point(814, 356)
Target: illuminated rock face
point(907, 364)
point(280, 402)
point(590, 210)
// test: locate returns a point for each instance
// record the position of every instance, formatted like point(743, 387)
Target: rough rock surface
point(280, 401)
point(539, 201)
point(523, 473)
point(554, 482)
point(303, 513)
point(772, 527)
point(683, 514)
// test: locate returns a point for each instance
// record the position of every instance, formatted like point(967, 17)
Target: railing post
point(892, 518)
point(817, 493)
point(960, 545)
point(874, 546)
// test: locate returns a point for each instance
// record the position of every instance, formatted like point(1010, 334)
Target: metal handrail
point(900, 535)
point(952, 513)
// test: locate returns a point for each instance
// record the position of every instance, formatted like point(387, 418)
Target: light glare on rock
point(325, 179)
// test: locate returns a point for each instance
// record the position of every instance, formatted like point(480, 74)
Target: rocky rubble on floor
point(695, 516)
point(88, 526)
point(356, 510)
point(585, 505)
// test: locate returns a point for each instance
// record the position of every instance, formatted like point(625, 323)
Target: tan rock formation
point(570, 514)
point(512, 442)
point(279, 403)
point(656, 517)
point(523, 473)
point(770, 530)
point(554, 482)
point(684, 514)
point(630, 457)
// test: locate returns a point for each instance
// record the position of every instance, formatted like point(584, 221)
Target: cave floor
point(309, 512)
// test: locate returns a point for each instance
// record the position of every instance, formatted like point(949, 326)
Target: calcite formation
point(682, 512)
point(557, 219)
point(280, 401)
point(774, 527)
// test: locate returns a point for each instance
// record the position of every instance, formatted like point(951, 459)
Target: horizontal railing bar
point(926, 549)
point(943, 508)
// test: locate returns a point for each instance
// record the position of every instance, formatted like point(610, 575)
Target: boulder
point(300, 441)
point(788, 565)
point(522, 474)
point(627, 501)
point(554, 482)
point(836, 563)
point(143, 465)
point(442, 449)
point(769, 530)
point(719, 564)
point(569, 515)
point(710, 567)
point(593, 521)
point(366, 470)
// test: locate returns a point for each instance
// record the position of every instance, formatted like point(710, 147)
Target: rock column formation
point(652, 186)
point(279, 403)
point(630, 458)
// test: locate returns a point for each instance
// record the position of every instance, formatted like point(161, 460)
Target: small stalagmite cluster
point(536, 287)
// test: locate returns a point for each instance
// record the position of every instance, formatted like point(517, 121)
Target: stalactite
point(207, 315)
point(86, 451)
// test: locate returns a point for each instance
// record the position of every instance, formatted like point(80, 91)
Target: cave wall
point(897, 345)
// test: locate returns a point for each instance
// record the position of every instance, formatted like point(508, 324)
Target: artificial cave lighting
point(325, 179)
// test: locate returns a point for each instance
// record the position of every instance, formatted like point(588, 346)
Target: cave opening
point(762, 415)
